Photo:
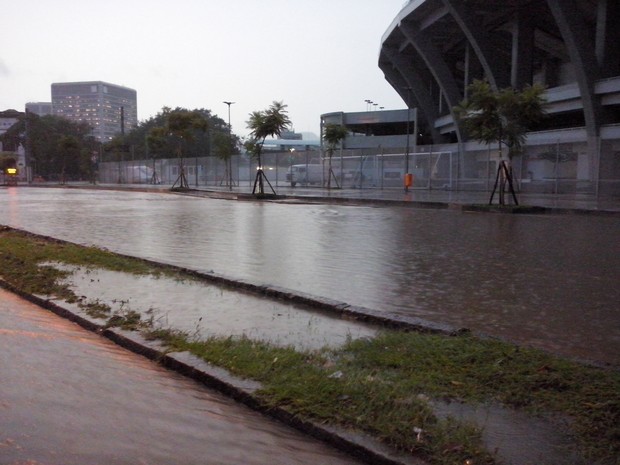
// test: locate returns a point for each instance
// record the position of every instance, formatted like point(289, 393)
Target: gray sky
point(316, 56)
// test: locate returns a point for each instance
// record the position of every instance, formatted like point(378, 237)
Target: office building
point(108, 108)
point(39, 108)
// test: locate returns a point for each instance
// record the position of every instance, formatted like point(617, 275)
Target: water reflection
point(549, 281)
point(72, 397)
point(203, 310)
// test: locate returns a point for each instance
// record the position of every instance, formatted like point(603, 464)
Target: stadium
point(434, 49)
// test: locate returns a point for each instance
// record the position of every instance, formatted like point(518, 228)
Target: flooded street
point(71, 397)
point(548, 281)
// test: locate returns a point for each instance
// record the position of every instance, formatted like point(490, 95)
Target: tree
point(225, 147)
point(262, 124)
point(41, 135)
point(504, 117)
point(333, 134)
point(180, 126)
point(69, 150)
point(143, 145)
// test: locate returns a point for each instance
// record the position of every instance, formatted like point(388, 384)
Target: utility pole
point(408, 178)
point(229, 161)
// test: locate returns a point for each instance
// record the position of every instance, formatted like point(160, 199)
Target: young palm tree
point(333, 134)
point(262, 124)
point(224, 147)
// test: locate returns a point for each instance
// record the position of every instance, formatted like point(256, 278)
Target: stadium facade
point(434, 49)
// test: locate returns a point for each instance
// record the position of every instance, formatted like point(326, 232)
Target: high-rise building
point(39, 108)
point(109, 109)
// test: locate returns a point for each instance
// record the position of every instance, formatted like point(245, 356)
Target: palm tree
point(504, 117)
point(333, 134)
point(262, 124)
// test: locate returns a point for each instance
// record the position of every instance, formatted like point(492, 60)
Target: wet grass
point(25, 263)
point(380, 385)
point(22, 256)
point(332, 388)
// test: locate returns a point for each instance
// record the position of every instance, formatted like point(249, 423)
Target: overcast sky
point(317, 56)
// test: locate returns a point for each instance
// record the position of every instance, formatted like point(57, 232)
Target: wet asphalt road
point(71, 397)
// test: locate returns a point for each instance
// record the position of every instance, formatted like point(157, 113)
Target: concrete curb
point(433, 205)
point(358, 445)
point(356, 201)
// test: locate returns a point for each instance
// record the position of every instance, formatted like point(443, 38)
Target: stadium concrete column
point(580, 47)
point(522, 51)
point(608, 37)
point(493, 64)
point(438, 67)
point(406, 74)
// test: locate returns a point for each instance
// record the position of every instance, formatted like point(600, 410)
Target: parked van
point(139, 174)
point(305, 174)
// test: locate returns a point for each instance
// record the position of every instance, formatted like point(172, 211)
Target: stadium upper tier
point(435, 48)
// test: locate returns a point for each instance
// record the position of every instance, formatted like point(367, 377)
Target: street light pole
point(229, 104)
point(407, 177)
point(229, 161)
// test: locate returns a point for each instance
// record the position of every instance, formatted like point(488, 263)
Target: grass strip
point(381, 386)
point(378, 385)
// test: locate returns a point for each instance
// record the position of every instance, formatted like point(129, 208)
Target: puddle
point(205, 310)
point(516, 437)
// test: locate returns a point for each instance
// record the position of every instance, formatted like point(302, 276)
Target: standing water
point(546, 281)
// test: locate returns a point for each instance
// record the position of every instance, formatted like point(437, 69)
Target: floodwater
point(516, 437)
point(546, 281)
point(206, 310)
point(71, 397)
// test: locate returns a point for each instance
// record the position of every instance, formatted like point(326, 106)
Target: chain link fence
point(557, 168)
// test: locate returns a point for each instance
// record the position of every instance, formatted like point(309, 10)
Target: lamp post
point(407, 177)
point(229, 161)
point(290, 164)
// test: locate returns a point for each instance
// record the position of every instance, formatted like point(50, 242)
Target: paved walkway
point(567, 202)
point(70, 396)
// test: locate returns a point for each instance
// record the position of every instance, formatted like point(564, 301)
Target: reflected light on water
point(548, 281)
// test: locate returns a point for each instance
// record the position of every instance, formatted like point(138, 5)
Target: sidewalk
point(71, 371)
point(560, 201)
point(553, 203)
